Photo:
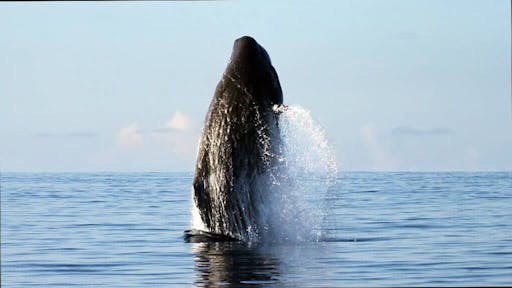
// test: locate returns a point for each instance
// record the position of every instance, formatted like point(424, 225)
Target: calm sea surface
point(126, 229)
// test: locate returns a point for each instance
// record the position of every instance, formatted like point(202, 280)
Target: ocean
point(380, 229)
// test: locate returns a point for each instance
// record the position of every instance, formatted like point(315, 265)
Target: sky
point(420, 85)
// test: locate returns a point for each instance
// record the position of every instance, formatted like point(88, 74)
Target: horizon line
point(182, 171)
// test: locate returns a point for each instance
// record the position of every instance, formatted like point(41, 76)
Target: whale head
point(251, 67)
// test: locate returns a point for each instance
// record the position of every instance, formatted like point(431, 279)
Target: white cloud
point(472, 158)
point(178, 134)
point(130, 135)
point(382, 160)
point(171, 146)
point(179, 121)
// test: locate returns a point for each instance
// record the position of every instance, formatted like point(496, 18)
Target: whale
point(239, 146)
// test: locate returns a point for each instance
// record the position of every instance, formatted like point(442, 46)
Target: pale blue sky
point(124, 86)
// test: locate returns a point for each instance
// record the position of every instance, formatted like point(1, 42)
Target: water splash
point(305, 144)
point(307, 169)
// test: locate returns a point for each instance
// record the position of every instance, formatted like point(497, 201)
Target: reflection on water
point(233, 264)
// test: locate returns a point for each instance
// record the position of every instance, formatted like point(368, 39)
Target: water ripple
point(383, 229)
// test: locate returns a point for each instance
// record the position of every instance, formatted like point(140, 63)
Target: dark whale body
point(239, 145)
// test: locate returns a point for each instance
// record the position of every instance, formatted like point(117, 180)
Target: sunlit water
point(119, 230)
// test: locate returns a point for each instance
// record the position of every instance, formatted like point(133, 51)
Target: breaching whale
point(238, 146)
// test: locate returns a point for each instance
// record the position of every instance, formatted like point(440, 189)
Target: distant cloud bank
point(67, 135)
point(411, 131)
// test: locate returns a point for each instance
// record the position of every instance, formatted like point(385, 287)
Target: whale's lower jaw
point(199, 236)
